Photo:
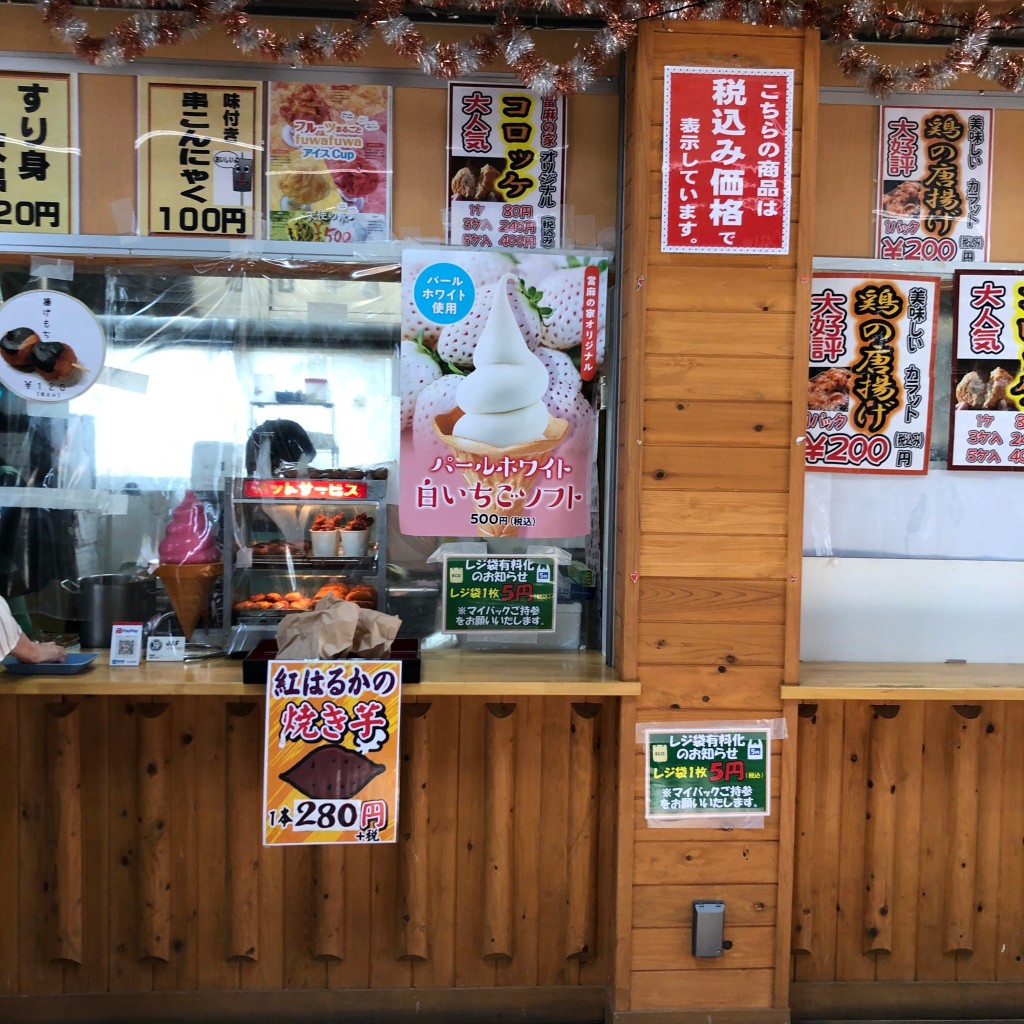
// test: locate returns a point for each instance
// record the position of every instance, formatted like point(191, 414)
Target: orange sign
point(331, 764)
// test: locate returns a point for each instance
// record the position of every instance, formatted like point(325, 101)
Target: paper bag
point(336, 629)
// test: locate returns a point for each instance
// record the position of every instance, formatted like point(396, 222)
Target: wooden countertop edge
point(903, 681)
point(557, 674)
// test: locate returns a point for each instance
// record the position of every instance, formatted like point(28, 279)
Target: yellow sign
point(36, 150)
point(200, 158)
point(331, 764)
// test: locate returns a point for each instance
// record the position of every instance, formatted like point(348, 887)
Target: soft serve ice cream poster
point(501, 358)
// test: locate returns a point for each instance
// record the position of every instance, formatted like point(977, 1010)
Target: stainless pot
point(102, 600)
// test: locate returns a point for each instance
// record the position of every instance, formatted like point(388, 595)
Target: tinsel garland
point(167, 22)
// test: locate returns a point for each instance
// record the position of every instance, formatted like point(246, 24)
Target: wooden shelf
point(445, 673)
point(903, 681)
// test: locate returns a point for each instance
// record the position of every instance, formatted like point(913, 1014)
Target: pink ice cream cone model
point(190, 561)
point(500, 414)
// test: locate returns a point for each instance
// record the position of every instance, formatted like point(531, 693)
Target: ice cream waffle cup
point(189, 588)
point(519, 481)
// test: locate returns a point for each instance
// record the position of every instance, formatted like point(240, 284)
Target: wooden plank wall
point(130, 840)
point(909, 859)
point(710, 516)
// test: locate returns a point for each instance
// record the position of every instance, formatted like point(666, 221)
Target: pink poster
point(726, 160)
point(500, 368)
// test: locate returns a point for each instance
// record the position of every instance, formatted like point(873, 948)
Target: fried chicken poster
point(934, 185)
point(872, 352)
point(986, 426)
point(330, 162)
point(506, 168)
point(330, 774)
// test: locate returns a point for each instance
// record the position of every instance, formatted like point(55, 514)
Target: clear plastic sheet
point(199, 357)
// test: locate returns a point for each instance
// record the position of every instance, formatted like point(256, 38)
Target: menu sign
point(200, 158)
point(727, 148)
point(331, 762)
point(53, 346)
point(37, 147)
point(693, 773)
point(499, 592)
point(987, 419)
point(506, 167)
point(500, 366)
point(872, 349)
point(934, 184)
point(330, 162)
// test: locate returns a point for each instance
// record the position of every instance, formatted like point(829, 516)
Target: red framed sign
point(727, 155)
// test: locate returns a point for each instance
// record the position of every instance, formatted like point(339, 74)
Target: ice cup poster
point(329, 175)
point(500, 365)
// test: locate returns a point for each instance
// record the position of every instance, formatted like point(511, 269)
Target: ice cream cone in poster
point(516, 485)
point(189, 588)
point(500, 363)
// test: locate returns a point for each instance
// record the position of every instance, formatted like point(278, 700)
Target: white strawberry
point(437, 397)
point(567, 403)
point(561, 369)
point(563, 295)
point(488, 268)
point(535, 267)
point(417, 368)
point(457, 342)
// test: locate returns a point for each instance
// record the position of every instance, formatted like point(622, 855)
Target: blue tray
point(77, 662)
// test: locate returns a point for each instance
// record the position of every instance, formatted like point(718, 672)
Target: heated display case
point(292, 542)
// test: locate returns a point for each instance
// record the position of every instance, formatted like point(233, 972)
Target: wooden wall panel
point(912, 892)
point(708, 615)
point(177, 844)
point(747, 422)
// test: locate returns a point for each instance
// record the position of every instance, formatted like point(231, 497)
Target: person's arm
point(35, 653)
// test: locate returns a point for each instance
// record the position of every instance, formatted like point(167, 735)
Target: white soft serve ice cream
point(501, 398)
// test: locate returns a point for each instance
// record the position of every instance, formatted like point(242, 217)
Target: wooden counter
point(445, 673)
point(903, 681)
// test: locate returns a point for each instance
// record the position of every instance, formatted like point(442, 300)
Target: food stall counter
point(458, 673)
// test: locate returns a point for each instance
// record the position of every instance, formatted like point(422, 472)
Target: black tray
point(404, 649)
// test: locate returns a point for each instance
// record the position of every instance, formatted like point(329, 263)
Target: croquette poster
point(872, 352)
point(329, 175)
point(501, 360)
point(934, 185)
point(986, 425)
point(330, 773)
point(506, 168)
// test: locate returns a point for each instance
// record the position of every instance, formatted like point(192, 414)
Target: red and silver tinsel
point(965, 33)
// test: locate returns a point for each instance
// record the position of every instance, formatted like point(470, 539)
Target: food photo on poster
point(500, 368)
point(329, 167)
